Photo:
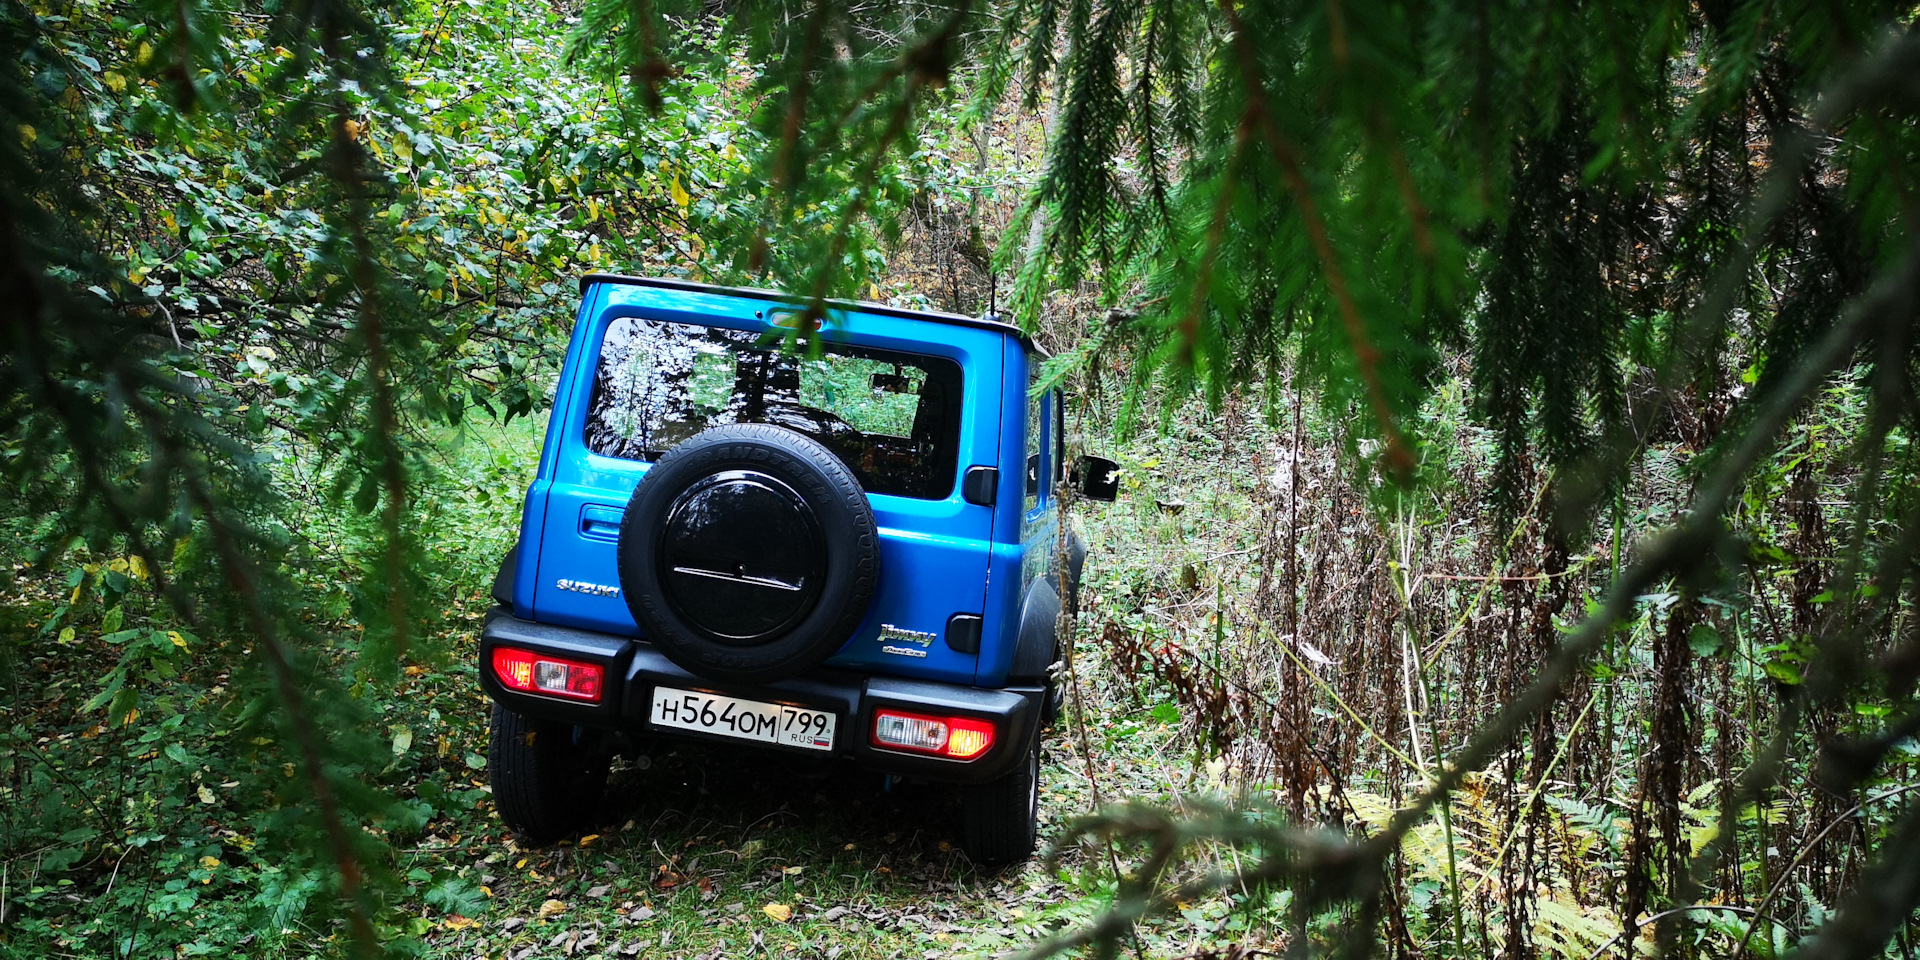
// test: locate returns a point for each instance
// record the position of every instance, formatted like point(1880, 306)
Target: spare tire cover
point(748, 553)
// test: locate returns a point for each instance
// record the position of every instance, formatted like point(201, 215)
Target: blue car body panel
point(938, 557)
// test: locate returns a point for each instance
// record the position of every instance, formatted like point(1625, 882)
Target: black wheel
point(547, 777)
point(1055, 703)
point(748, 553)
point(1003, 815)
point(1076, 562)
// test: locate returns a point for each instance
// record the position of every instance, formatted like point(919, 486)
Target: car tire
point(748, 553)
point(547, 777)
point(1003, 815)
point(1054, 706)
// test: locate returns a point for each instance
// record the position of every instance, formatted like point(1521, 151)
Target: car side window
point(1059, 436)
point(1036, 410)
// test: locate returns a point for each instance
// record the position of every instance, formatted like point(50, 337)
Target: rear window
point(894, 418)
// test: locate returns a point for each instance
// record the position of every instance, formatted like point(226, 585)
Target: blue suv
point(831, 533)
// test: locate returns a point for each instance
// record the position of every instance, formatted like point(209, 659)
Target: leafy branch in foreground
point(1861, 336)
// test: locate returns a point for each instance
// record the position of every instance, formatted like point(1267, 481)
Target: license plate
point(774, 723)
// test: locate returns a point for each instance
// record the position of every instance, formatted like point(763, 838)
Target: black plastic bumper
point(634, 668)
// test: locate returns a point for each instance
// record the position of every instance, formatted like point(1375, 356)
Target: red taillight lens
point(527, 671)
point(961, 738)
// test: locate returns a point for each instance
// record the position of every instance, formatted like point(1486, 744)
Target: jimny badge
point(894, 640)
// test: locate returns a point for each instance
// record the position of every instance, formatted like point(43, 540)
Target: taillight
point(539, 673)
point(961, 738)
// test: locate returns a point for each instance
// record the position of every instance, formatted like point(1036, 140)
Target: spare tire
point(748, 553)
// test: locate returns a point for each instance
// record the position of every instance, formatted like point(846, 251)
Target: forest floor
point(725, 852)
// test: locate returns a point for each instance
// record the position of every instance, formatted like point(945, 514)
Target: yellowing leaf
point(206, 796)
point(178, 640)
point(114, 81)
point(589, 838)
point(137, 568)
point(210, 863)
point(66, 635)
point(778, 911)
point(28, 134)
point(486, 890)
point(402, 740)
point(680, 195)
point(458, 922)
point(552, 907)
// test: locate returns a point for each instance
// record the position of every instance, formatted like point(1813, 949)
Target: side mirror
point(1098, 478)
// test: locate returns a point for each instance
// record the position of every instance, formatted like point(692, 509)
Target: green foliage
point(278, 272)
point(264, 265)
point(1353, 188)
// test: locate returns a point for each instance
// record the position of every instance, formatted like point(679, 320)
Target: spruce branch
point(1398, 458)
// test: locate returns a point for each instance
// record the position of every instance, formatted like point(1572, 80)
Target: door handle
point(600, 522)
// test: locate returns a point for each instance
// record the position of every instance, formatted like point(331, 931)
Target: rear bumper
point(634, 668)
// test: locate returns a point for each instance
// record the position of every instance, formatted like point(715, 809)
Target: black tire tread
point(545, 786)
point(1002, 815)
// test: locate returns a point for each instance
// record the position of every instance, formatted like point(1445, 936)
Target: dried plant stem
point(1760, 911)
point(1539, 787)
point(1351, 713)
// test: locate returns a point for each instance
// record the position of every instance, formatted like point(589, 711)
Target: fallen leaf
point(641, 914)
point(778, 911)
point(458, 922)
point(599, 891)
point(589, 838)
point(552, 907)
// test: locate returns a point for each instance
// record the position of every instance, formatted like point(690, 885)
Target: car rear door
point(934, 543)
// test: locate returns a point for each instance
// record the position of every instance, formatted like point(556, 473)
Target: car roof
point(988, 322)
